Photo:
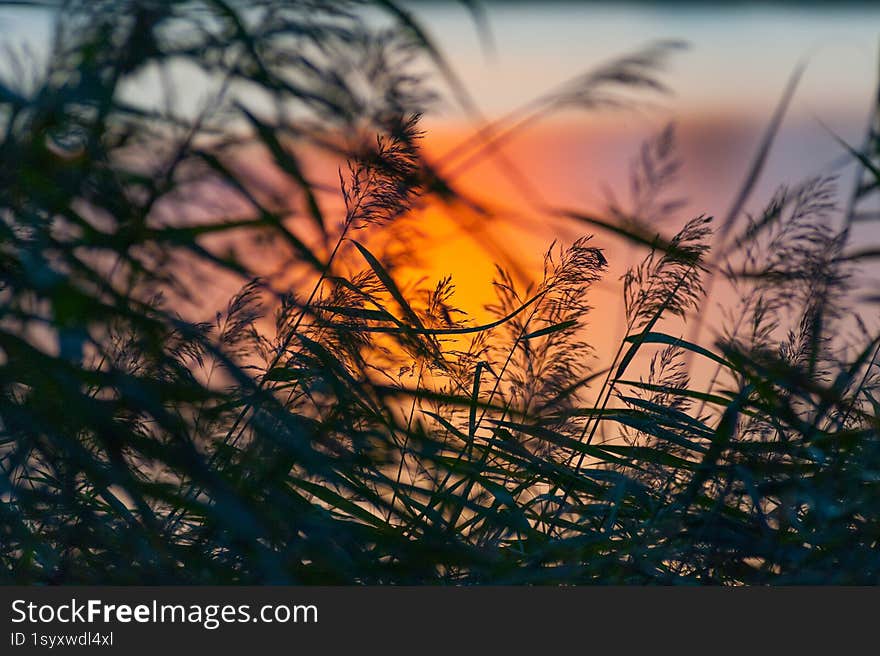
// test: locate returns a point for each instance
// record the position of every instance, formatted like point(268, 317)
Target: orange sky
point(725, 89)
point(570, 162)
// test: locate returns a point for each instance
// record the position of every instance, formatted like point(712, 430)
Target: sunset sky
point(725, 87)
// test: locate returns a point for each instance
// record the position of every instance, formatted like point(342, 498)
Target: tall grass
point(356, 429)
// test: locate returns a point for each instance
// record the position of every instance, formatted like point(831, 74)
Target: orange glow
point(574, 162)
point(571, 162)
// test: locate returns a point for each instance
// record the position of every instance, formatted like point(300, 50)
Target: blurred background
point(722, 91)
